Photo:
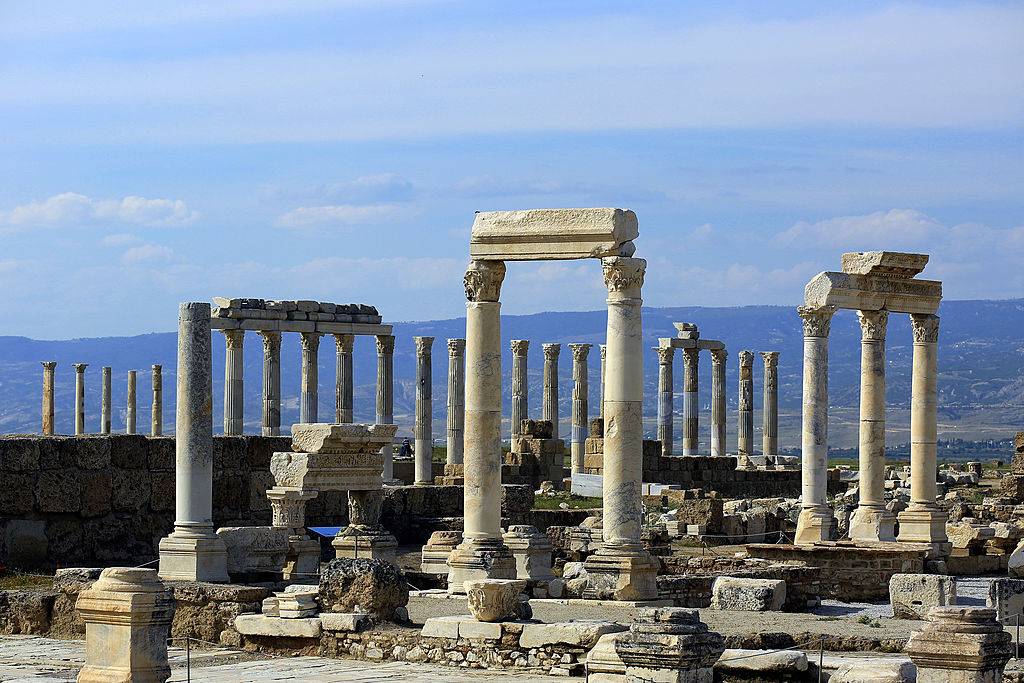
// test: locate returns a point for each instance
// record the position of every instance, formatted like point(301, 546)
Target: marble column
point(156, 427)
point(456, 399)
point(580, 403)
point(80, 398)
point(48, 371)
point(770, 404)
point(666, 357)
point(233, 383)
point(691, 402)
point(193, 552)
point(816, 522)
point(271, 382)
point(482, 553)
point(622, 569)
point(872, 521)
point(130, 421)
point(745, 439)
point(604, 364)
point(343, 388)
point(105, 400)
point(386, 396)
point(550, 404)
point(520, 385)
point(718, 358)
point(424, 411)
point(309, 398)
point(924, 521)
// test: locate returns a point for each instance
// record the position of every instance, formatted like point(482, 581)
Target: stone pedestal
point(80, 398)
point(386, 397)
point(127, 615)
point(436, 551)
point(343, 384)
point(718, 359)
point(670, 645)
point(309, 396)
point(960, 645)
point(271, 382)
point(520, 384)
point(745, 438)
point(130, 421)
point(157, 409)
point(48, 369)
point(105, 400)
point(580, 404)
point(532, 551)
point(364, 537)
point(550, 404)
point(423, 428)
point(456, 400)
point(666, 356)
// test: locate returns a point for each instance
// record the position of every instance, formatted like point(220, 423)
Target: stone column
point(343, 378)
point(482, 553)
point(233, 386)
point(193, 552)
point(386, 396)
point(666, 356)
point(48, 370)
point(456, 399)
point(129, 418)
point(960, 645)
point(520, 386)
point(718, 445)
point(310, 376)
point(157, 410)
point(580, 404)
point(622, 569)
point(80, 398)
point(691, 402)
point(770, 404)
point(271, 382)
point(288, 510)
point(745, 440)
point(924, 521)
point(604, 364)
point(816, 522)
point(105, 400)
point(550, 405)
point(872, 521)
point(365, 537)
point(424, 411)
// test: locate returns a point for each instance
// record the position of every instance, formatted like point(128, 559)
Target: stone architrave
point(456, 402)
point(552, 234)
point(333, 457)
point(271, 382)
point(385, 399)
point(129, 418)
point(234, 389)
point(48, 372)
point(156, 416)
point(745, 440)
point(193, 552)
point(343, 384)
point(580, 404)
point(718, 360)
point(309, 397)
point(770, 404)
point(960, 645)
point(520, 385)
point(549, 410)
point(666, 356)
point(691, 402)
point(424, 411)
point(105, 400)
point(532, 551)
point(80, 398)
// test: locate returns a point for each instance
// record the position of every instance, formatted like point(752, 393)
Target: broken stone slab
point(914, 595)
point(320, 437)
point(670, 644)
point(876, 670)
point(461, 626)
point(494, 600)
point(748, 595)
point(263, 625)
point(582, 633)
point(346, 622)
point(553, 234)
point(754, 662)
point(373, 587)
point(1006, 597)
point(889, 264)
point(866, 293)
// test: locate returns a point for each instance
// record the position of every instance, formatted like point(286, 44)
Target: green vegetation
point(575, 502)
point(19, 581)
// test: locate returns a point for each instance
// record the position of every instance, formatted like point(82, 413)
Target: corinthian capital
point(580, 352)
point(719, 356)
point(551, 351)
point(623, 274)
point(271, 340)
point(483, 280)
point(310, 341)
point(385, 344)
point(691, 358)
point(456, 347)
point(816, 320)
point(520, 347)
point(872, 324)
point(344, 342)
point(926, 327)
point(423, 345)
point(666, 354)
point(770, 358)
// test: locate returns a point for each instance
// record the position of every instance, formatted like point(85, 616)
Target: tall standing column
point(924, 521)
point(105, 400)
point(456, 399)
point(424, 411)
point(48, 370)
point(129, 413)
point(233, 384)
point(386, 396)
point(520, 385)
point(193, 552)
point(310, 376)
point(872, 521)
point(157, 410)
point(271, 382)
point(622, 569)
point(770, 404)
point(343, 389)
point(666, 357)
point(604, 367)
point(745, 440)
point(718, 358)
point(580, 403)
point(691, 401)
point(482, 553)
point(80, 398)
point(550, 407)
point(816, 522)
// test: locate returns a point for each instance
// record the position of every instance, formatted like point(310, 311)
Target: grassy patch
point(575, 502)
point(18, 581)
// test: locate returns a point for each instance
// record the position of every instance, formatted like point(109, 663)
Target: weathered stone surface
point(764, 662)
point(321, 437)
point(27, 612)
point(748, 595)
point(207, 610)
point(914, 595)
point(254, 548)
point(876, 671)
point(869, 293)
point(67, 622)
point(539, 234)
point(891, 264)
point(374, 587)
point(262, 625)
point(583, 634)
point(960, 644)
point(1006, 597)
point(494, 600)
point(669, 644)
point(352, 622)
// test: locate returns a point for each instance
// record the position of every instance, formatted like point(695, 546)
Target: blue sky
point(157, 152)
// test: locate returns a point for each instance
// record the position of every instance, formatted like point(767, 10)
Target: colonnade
point(106, 400)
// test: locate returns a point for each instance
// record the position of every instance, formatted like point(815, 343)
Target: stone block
point(876, 670)
point(262, 625)
point(960, 645)
point(479, 630)
point(19, 455)
point(96, 493)
point(130, 490)
point(92, 452)
point(1006, 597)
point(254, 548)
point(582, 633)
point(914, 595)
point(748, 595)
point(494, 600)
point(888, 264)
point(758, 664)
point(351, 622)
point(442, 627)
point(26, 612)
point(374, 587)
point(539, 234)
point(16, 494)
point(59, 491)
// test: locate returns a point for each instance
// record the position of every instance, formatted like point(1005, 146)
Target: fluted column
point(604, 364)
point(48, 372)
point(310, 376)
point(872, 521)
point(923, 521)
point(550, 407)
point(816, 522)
point(343, 388)
point(80, 398)
point(666, 357)
point(386, 396)
point(718, 358)
point(482, 553)
point(233, 385)
point(105, 400)
point(271, 382)
point(580, 403)
point(156, 427)
point(745, 439)
point(520, 385)
point(691, 402)
point(456, 399)
point(770, 403)
point(424, 411)
point(129, 414)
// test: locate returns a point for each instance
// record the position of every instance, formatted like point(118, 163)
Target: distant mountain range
point(981, 363)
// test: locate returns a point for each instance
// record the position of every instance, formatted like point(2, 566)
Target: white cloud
point(339, 215)
point(73, 209)
point(146, 253)
point(896, 228)
point(120, 239)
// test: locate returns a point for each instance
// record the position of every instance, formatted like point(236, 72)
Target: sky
point(154, 152)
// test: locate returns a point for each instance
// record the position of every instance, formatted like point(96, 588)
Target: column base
point(622, 575)
point(924, 524)
point(303, 558)
point(473, 559)
point(815, 526)
point(366, 543)
point(191, 555)
point(873, 523)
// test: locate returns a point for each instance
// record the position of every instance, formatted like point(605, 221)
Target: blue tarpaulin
point(325, 530)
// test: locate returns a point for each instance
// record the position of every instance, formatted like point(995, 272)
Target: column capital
point(310, 340)
point(925, 326)
point(770, 358)
point(483, 280)
point(719, 356)
point(49, 364)
point(385, 344)
point(666, 354)
point(580, 352)
point(604, 350)
point(157, 369)
point(873, 324)
point(520, 347)
point(816, 320)
point(456, 347)
point(344, 342)
point(423, 345)
point(271, 339)
point(623, 274)
point(80, 367)
point(551, 351)
point(691, 357)
point(746, 357)
point(234, 339)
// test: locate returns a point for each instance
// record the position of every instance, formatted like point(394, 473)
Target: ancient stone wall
point(412, 513)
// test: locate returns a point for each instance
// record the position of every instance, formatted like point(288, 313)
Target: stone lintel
point(550, 234)
point(702, 344)
point(890, 264)
point(257, 325)
point(873, 293)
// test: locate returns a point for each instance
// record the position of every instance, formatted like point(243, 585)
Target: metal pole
point(821, 657)
point(188, 659)
point(1016, 642)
